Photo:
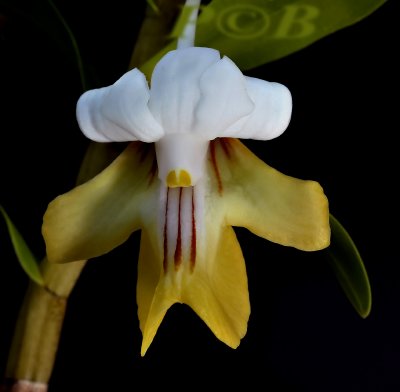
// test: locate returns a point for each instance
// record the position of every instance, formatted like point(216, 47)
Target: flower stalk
point(186, 40)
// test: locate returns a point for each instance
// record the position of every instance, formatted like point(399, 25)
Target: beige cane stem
point(39, 325)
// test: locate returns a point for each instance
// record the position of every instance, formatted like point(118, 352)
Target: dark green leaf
point(46, 16)
point(349, 268)
point(27, 260)
point(153, 6)
point(255, 32)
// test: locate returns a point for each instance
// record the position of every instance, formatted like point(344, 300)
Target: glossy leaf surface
point(349, 268)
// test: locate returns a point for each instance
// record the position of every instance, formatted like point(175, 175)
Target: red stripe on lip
point(193, 244)
point(178, 248)
point(215, 166)
point(165, 259)
point(226, 146)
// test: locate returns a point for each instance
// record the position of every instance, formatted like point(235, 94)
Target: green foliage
point(251, 33)
point(349, 268)
point(255, 32)
point(46, 16)
point(25, 257)
point(153, 6)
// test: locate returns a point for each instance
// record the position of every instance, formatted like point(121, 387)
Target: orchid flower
point(185, 180)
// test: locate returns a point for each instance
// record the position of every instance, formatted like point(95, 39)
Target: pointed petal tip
point(231, 341)
point(144, 348)
point(216, 290)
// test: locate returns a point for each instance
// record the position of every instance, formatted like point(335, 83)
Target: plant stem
point(39, 324)
point(155, 31)
point(37, 333)
point(38, 329)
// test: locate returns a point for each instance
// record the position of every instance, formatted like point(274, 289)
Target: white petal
point(271, 115)
point(119, 112)
point(224, 99)
point(175, 86)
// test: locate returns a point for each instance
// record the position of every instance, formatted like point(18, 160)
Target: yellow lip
point(175, 180)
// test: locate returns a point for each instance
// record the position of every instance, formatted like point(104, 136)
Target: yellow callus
point(175, 180)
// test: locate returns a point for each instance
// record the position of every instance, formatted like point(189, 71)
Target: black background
point(303, 334)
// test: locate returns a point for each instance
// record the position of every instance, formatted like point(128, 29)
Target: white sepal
point(175, 89)
point(223, 101)
point(271, 114)
point(119, 112)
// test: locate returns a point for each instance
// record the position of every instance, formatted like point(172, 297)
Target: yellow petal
point(216, 288)
point(275, 206)
point(99, 215)
point(154, 296)
point(219, 294)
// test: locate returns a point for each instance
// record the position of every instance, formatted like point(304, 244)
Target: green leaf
point(46, 16)
point(153, 6)
point(27, 260)
point(349, 268)
point(255, 32)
